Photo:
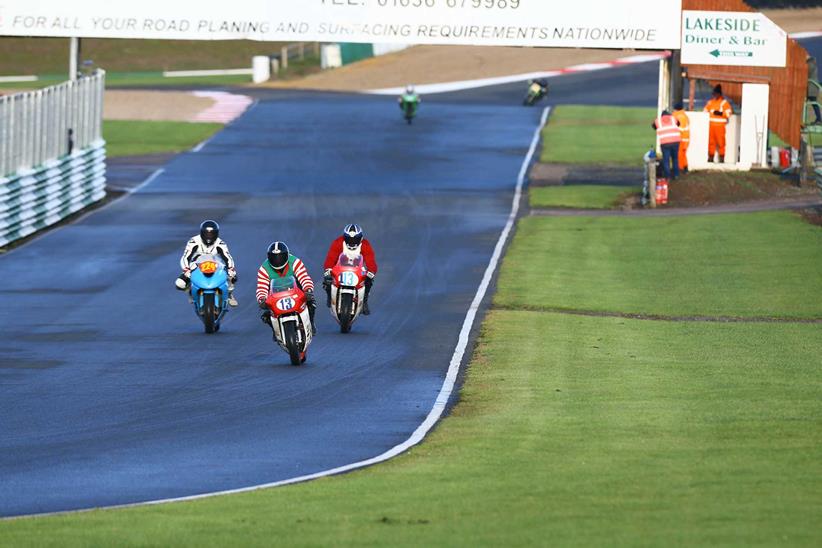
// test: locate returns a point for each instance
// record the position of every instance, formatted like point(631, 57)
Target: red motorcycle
point(347, 290)
point(290, 320)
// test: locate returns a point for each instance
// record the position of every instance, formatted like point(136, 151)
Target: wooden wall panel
point(788, 85)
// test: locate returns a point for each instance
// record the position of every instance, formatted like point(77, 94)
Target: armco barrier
point(33, 199)
point(52, 155)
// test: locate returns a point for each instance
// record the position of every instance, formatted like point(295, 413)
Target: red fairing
point(293, 297)
point(358, 271)
point(337, 248)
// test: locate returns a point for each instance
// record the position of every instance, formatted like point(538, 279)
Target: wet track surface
point(111, 393)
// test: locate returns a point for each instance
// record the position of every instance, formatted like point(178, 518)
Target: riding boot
point(721, 159)
point(312, 309)
point(232, 302)
point(365, 310)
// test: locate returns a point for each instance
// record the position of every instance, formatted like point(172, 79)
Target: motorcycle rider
point(207, 242)
point(539, 87)
point(280, 262)
point(409, 98)
point(353, 243)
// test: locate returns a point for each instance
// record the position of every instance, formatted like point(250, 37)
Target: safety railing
point(46, 124)
point(52, 155)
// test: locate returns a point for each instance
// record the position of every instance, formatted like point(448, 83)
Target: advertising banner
point(639, 24)
point(732, 38)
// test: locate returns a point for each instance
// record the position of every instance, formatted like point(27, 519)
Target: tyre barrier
point(33, 199)
point(819, 178)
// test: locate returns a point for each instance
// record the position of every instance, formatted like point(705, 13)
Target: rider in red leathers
point(353, 243)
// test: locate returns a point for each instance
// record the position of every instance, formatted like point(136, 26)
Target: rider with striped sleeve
point(282, 263)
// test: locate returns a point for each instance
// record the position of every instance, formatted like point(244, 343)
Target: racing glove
point(261, 304)
point(309, 298)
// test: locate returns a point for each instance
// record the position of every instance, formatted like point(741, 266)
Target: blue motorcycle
point(209, 291)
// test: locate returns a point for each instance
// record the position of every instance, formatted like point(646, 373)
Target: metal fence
point(52, 155)
point(38, 126)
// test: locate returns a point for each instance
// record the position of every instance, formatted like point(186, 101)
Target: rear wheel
point(209, 316)
point(346, 312)
point(290, 338)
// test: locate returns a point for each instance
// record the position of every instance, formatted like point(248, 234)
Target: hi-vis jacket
point(722, 106)
point(196, 247)
point(667, 129)
point(684, 125)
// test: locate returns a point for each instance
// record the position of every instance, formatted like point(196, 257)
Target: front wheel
point(290, 338)
point(209, 315)
point(346, 312)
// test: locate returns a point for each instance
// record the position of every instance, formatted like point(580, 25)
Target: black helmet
point(278, 255)
point(209, 231)
point(353, 235)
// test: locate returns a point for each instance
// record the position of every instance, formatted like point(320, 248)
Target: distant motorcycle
point(290, 320)
point(409, 105)
point(347, 290)
point(209, 290)
point(536, 92)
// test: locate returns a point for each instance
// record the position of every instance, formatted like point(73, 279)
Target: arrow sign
point(717, 53)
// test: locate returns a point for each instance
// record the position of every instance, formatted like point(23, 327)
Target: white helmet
point(409, 89)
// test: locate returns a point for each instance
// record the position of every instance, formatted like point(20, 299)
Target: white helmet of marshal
point(352, 236)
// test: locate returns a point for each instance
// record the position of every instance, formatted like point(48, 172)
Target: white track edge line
point(442, 398)
point(148, 181)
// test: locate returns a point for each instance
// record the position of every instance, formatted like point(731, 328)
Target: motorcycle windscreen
point(284, 283)
point(345, 260)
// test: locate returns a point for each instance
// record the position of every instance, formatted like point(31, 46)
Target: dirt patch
point(812, 215)
point(704, 188)
point(174, 106)
point(797, 20)
point(434, 64)
point(662, 317)
point(545, 174)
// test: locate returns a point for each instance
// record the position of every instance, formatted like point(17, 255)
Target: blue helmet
point(353, 235)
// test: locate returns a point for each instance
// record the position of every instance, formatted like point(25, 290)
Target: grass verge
point(574, 431)
point(50, 55)
point(581, 196)
point(598, 135)
point(130, 138)
point(758, 264)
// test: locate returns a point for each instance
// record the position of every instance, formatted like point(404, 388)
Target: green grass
point(598, 135)
point(763, 264)
point(135, 79)
point(571, 431)
point(128, 138)
point(50, 55)
point(582, 196)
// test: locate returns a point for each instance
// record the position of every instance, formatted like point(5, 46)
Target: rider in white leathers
point(207, 242)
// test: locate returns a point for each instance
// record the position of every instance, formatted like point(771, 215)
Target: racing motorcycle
point(209, 290)
point(347, 290)
point(289, 318)
point(536, 92)
point(409, 105)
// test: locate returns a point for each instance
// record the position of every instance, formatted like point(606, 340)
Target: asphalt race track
point(111, 392)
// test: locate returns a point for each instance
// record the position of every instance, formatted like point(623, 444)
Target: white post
point(74, 58)
point(663, 92)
